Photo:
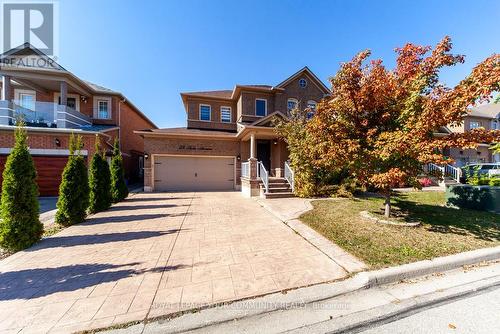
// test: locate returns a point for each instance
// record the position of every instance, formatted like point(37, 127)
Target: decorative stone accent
point(368, 216)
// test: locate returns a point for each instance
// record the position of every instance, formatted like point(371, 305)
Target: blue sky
point(153, 50)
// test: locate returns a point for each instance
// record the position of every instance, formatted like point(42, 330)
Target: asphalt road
point(476, 314)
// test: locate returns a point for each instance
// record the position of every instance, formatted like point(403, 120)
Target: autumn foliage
point(380, 123)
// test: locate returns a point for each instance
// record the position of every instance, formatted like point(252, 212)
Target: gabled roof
point(233, 94)
point(491, 110)
point(27, 49)
point(265, 120)
point(313, 76)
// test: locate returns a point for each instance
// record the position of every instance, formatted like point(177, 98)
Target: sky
point(151, 51)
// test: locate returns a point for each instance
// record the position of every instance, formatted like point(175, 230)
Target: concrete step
point(278, 189)
point(279, 195)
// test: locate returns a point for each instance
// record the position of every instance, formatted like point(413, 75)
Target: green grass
point(443, 231)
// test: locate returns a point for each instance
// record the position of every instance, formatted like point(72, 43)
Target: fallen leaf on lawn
point(452, 326)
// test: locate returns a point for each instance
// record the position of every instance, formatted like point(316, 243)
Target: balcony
point(42, 114)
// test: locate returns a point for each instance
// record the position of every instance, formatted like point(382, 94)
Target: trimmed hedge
point(99, 182)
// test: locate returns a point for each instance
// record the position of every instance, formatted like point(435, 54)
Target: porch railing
point(245, 169)
point(42, 114)
point(443, 171)
point(264, 176)
point(453, 172)
point(289, 175)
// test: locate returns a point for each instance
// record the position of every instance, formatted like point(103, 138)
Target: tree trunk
point(387, 203)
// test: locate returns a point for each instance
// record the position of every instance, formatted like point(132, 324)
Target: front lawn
point(443, 231)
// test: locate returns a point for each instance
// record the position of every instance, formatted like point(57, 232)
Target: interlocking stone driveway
point(152, 255)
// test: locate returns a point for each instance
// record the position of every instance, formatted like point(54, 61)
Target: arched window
point(292, 104)
point(311, 108)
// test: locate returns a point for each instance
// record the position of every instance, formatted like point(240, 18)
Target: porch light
point(146, 156)
point(57, 142)
point(238, 157)
point(275, 142)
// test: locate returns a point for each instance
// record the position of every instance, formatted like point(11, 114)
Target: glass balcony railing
point(42, 114)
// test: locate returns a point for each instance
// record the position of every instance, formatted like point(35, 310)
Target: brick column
point(253, 168)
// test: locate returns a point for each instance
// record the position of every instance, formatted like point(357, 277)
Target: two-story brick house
point(229, 137)
point(485, 116)
point(55, 103)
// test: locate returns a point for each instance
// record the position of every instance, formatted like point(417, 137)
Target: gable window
point(260, 107)
point(225, 114)
point(205, 111)
point(291, 104)
point(474, 125)
point(303, 83)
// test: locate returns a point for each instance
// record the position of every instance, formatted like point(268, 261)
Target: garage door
point(174, 173)
point(49, 172)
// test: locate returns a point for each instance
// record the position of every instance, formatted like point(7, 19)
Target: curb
point(426, 267)
point(371, 318)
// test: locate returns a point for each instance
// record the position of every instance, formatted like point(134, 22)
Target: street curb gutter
point(426, 267)
point(363, 320)
point(238, 310)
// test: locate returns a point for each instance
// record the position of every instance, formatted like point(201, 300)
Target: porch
point(265, 171)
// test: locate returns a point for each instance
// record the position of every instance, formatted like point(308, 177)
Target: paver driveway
point(152, 255)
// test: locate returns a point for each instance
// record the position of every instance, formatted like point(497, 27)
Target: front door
point(264, 153)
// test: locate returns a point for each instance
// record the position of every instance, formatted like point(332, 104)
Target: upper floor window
point(225, 114)
point(260, 107)
point(474, 125)
point(311, 106)
point(291, 104)
point(205, 111)
point(303, 83)
point(103, 109)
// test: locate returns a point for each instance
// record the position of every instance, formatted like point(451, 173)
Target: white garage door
point(174, 173)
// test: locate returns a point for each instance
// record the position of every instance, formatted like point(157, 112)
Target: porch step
point(279, 195)
point(278, 188)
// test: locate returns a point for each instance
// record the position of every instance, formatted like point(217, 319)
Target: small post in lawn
point(387, 204)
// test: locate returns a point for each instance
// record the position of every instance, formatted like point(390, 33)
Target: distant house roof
point(491, 110)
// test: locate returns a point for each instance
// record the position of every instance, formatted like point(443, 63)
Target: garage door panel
point(193, 173)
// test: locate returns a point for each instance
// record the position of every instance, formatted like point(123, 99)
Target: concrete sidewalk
point(344, 312)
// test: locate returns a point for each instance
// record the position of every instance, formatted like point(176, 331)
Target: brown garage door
point(49, 171)
point(173, 173)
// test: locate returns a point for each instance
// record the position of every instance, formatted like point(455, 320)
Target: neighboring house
point(55, 103)
point(485, 116)
point(227, 133)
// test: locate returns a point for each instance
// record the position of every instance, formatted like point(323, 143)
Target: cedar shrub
point(119, 190)
point(99, 181)
point(20, 225)
point(74, 189)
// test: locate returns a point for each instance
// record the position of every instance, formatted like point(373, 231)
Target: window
point(27, 101)
point(205, 111)
point(70, 102)
point(260, 107)
point(225, 114)
point(303, 83)
point(103, 109)
point(474, 125)
point(291, 104)
point(311, 105)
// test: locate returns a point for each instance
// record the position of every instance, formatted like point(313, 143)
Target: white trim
point(209, 114)
point(75, 96)
point(292, 99)
point(255, 107)
point(189, 156)
point(97, 99)
point(230, 114)
point(43, 151)
point(18, 92)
